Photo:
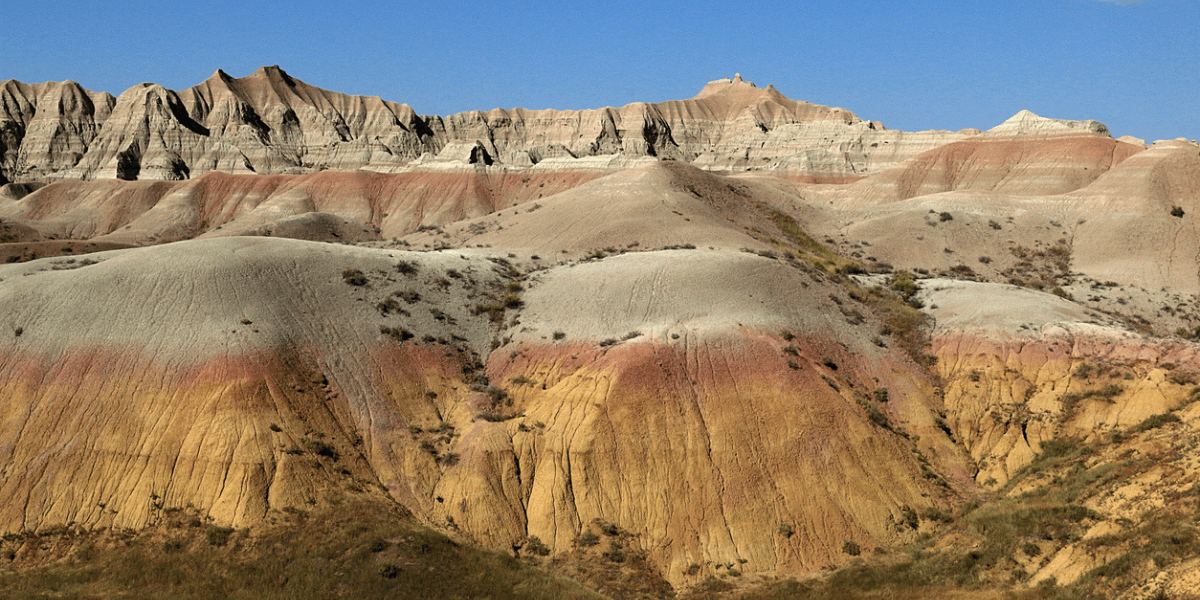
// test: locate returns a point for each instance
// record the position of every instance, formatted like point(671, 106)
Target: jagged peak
point(727, 85)
point(1028, 123)
point(270, 72)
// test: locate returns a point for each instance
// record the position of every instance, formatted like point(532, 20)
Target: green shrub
point(320, 448)
point(387, 306)
point(405, 267)
point(1182, 378)
point(1154, 422)
point(397, 333)
point(904, 283)
point(409, 296)
point(534, 545)
point(614, 553)
point(217, 536)
point(523, 380)
point(354, 277)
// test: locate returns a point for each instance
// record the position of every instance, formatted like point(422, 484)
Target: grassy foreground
point(353, 548)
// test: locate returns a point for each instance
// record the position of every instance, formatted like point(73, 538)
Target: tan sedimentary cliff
point(1022, 367)
point(243, 376)
point(272, 123)
point(46, 128)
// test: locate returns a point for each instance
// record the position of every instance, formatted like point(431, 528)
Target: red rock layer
point(1020, 166)
point(392, 204)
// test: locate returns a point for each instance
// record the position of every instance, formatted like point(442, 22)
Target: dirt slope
point(326, 206)
point(240, 375)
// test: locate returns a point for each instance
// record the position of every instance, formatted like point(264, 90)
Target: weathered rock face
point(47, 128)
point(693, 432)
point(271, 123)
point(211, 418)
point(285, 125)
point(1025, 367)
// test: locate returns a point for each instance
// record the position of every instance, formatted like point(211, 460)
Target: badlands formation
point(736, 339)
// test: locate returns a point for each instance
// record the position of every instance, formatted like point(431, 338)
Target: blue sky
point(913, 65)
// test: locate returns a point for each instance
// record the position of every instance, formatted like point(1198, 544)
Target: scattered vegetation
point(397, 333)
point(799, 245)
point(363, 544)
point(405, 267)
point(523, 380)
point(1154, 422)
point(1040, 268)
point(1070, 402)
point(354, 277)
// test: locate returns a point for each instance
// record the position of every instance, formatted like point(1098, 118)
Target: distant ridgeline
point(271, 123)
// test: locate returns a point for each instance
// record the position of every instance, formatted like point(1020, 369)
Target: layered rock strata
point(272, 123)
point(242, 376)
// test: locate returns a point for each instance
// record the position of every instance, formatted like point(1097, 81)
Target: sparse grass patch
point(405, 267)
point(296, 558)
point(523, 380)
point(1154, 422)
point(397, 333)
point(354, 277)
point(1070, 402)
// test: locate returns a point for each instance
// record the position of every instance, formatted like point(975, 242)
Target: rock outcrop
point(1024, 367)
point(272, 123)
point(245, 375)
point(47, 128)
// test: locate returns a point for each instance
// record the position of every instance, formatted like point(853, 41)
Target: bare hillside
point(735, 345)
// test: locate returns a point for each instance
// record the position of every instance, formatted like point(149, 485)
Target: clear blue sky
point(929, 64)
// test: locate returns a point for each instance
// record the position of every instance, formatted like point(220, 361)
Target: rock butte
point(533, 321)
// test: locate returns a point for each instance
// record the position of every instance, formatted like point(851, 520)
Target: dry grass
point(992, 541)
point(359, 547)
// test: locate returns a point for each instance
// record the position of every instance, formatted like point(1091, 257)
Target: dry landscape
point(261, 339)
